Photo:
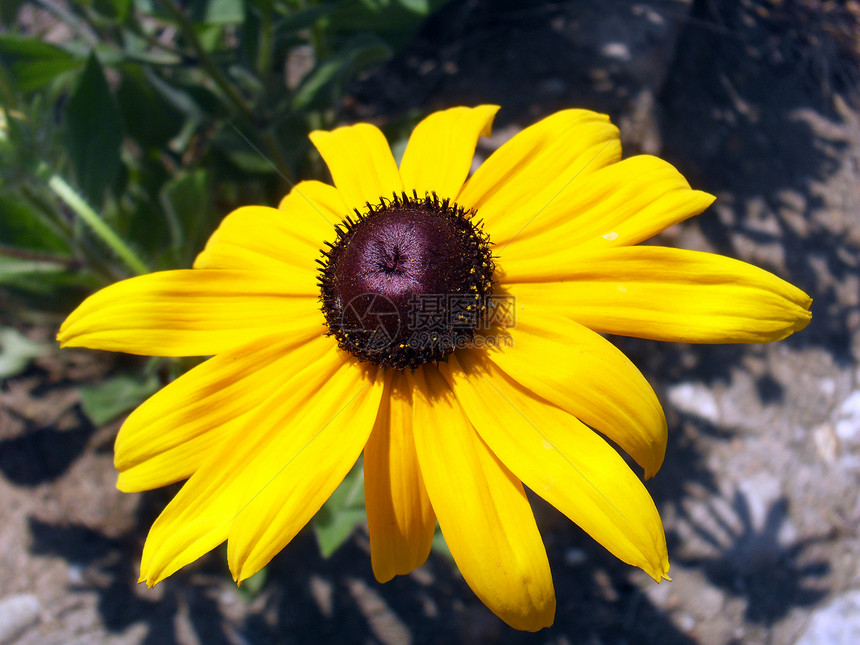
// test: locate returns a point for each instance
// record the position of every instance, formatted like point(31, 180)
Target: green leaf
point(16, 351)
point(324, 83)
point(12, 269)
point(115, 9)
point(394, 21)
point(343, 511)
point(218, 12)
point(117, 395)
point(22, 227)
point(93, 133)
point(187, 203)
point(152, 120)
point(251, 587)
point(300, 19)
point(440, 546)
point(419, 7)
point(34, 63)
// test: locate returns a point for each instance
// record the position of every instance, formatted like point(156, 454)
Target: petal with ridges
point(170, 435)
point(663, 294)
point(201, 514)
point(360, 162)
point(302, 464)
point(482, 509)
point(561, 460)
point(263, 238)
point(440, 150)
point(319, 205)
point(191, 312)
point(400, 520)
point(591, 379)
point(528, 172)
point(619, 205)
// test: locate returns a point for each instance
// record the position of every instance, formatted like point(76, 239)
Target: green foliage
point(93, 132)
point(133, 126)
point(16, 351)
point(129, 128)
point(343, 511)
point(115, 396)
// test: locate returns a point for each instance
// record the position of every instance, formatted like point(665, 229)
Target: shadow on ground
point(743, 115)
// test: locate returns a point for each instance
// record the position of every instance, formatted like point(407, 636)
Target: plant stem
point(105, 233)
point(187, 28)
point(265, 44)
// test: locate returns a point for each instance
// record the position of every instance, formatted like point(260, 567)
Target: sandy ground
point(755, 102)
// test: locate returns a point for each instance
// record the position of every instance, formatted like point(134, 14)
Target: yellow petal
point(171, 434)
point(319, 441)
point(561, 460)
point(262, 238)
point(318, 205)
point(618, 205)
point(482, 509)
point(200, 516)
point(192, 312)
point(400, 519)
point(528, 172)
point(360, 162)
point(663, 294)
point(440, 150)
point(589, 378)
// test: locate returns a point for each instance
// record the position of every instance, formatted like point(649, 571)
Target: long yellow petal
point(400, 519)
point(528, 172)
point(440, 150)
point(663, 294)
point(482, 509)
point(262, 238)
point(192, 312)
point(590, 378)
point(360, 162)
point(201, 514)
point(171, 434)
point(619, 205)
point(302, 464)
point(319, 206)
point(561, 460)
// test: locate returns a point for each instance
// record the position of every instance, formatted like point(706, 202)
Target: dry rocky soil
point(756, 102)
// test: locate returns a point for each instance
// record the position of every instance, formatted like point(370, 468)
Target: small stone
point(616, 50)
point(574, 557)
point(695, 399)
point(18, 613)
point(848, 420)
point(826, 443)
point(686, 623)
point(837, 623)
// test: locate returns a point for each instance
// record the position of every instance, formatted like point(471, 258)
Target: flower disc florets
point(407, 280)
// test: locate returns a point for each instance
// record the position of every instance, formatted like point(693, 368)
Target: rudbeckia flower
point(450, 330)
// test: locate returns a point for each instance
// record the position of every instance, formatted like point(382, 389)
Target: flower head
point(450, 331)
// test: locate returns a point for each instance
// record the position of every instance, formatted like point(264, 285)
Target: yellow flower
point(453, 422)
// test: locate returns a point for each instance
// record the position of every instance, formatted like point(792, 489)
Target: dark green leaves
point(343, 511)
point(93, 132)
point(117, 395)
point(33, 63)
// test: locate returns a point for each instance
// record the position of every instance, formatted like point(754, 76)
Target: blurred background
point(129, 128)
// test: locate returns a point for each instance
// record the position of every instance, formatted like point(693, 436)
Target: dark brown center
point(406, 282)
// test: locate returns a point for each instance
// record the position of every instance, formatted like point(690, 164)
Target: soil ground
point(754, 101)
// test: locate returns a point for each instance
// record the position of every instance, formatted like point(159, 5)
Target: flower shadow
point(759, 116)
point(107, 567)
point(754, 564)
point(42, 455)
